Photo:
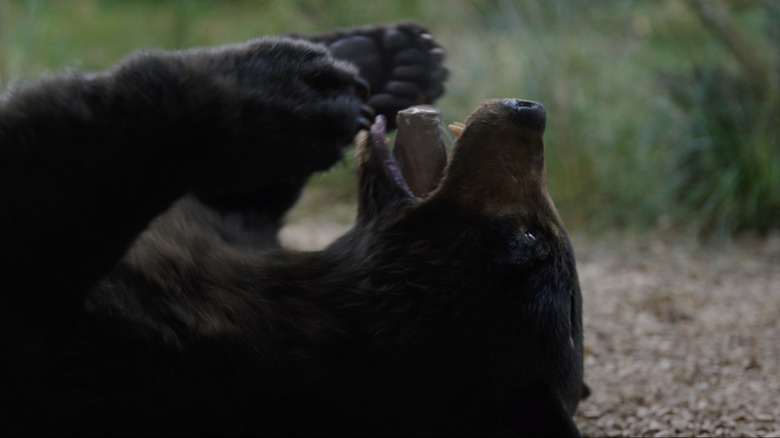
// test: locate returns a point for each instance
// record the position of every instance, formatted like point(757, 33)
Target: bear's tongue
point(419, 148)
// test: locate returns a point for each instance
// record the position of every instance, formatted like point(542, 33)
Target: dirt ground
point(681, 339)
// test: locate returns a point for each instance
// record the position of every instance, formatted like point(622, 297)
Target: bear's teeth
point(456, 128)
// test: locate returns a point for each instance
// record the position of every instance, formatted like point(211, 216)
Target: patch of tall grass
point(726, 167)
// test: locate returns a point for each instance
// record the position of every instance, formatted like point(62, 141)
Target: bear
point(146, 292)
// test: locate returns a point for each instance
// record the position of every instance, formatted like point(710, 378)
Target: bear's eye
point(525, 250)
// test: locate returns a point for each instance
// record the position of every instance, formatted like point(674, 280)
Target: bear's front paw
point(402, 63)
point(286, 108)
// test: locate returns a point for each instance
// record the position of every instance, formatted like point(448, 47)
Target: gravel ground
point(680, 339)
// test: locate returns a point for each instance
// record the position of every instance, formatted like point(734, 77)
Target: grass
point(638, 135)
point(726, 165)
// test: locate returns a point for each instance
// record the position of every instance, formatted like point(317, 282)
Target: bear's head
point(476, 268)
point(496, 169)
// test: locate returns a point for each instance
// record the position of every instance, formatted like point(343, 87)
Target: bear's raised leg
point(87, 160)
point(403, 66)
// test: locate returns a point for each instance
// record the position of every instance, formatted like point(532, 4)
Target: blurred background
point(662, 116)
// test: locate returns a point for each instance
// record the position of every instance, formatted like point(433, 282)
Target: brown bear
point(136, 303)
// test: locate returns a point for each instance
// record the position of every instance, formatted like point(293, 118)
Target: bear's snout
point(527, 113)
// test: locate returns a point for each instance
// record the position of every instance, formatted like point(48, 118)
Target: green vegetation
point(660, 114)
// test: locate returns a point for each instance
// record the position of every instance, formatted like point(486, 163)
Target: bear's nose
point(527, 113)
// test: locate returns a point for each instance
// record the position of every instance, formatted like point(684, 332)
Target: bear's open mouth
point(420, 153)
point(380, 144)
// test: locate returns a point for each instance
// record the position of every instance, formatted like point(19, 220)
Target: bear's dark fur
point(454, 314)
